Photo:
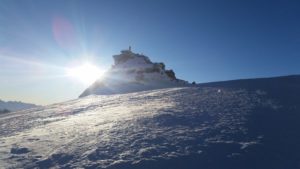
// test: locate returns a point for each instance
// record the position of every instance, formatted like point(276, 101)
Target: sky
point(201, 41)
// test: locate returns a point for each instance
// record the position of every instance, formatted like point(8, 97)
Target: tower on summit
point(129, 48)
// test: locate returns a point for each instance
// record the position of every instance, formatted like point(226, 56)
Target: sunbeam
point(86, 73)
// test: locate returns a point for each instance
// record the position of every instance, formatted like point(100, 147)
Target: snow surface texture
point(139, 130)
point(131, 73)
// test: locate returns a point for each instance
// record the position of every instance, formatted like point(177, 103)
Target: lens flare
point(64, 33)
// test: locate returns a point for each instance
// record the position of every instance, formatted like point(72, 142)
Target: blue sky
point(201, 40)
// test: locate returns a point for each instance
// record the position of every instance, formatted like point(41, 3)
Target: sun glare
point(86, 73)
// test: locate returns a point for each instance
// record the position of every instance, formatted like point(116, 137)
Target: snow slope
point(190, 127)
point(129, 129)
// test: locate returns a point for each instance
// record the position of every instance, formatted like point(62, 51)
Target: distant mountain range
point(10, 106)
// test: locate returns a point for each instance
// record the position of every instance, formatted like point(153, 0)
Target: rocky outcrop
point(133, 72)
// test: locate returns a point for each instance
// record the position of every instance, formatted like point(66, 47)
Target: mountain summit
point(133, 72)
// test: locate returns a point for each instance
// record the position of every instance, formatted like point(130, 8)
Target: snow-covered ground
point(141, 129)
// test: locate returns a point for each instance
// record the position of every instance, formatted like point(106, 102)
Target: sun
point(86, 73)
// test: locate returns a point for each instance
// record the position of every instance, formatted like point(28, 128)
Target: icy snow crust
point(127, 130)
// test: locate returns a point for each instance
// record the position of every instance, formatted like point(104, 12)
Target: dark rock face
point(156, 67)
point(126, 55)
point(171, 74)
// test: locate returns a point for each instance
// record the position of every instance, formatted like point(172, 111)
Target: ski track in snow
point(106, 131)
